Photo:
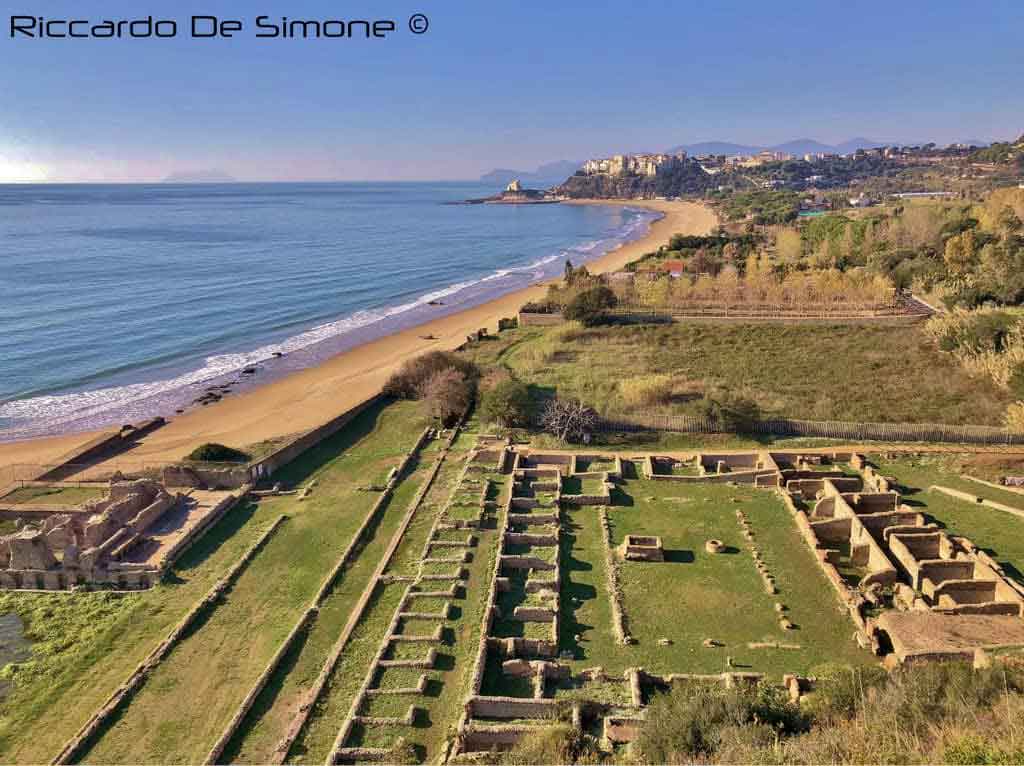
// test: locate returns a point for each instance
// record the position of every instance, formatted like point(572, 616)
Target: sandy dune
point(309, 397)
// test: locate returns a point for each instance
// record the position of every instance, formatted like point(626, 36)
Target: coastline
point(306, 398)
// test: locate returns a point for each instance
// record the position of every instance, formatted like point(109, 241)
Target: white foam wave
point(53, 409)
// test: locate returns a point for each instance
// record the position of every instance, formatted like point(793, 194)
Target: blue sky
point(497, 84)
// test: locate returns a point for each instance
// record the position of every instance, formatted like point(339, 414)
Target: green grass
point(700, 595)
point(765, 362)
point(86, 645)
point(66, 496)
point(274, 708)
point(582, 485)
point(999, 533)
point(219, 661)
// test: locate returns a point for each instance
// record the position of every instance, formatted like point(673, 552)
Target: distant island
point(200, 177)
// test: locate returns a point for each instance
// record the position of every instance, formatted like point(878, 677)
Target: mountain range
point(546, 175)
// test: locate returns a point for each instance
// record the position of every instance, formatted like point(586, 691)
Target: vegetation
point(938, 713)
point(568, 420)
point(447, 395)
point(507, 404)
point(762, 206)
point(590, 305)
point(217, 453)
point(53, 495)
point(414, 374)
point(818, 372)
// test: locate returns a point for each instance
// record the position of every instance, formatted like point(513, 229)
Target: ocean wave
point(39, 414)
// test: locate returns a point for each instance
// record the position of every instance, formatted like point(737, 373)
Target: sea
point(123, 302)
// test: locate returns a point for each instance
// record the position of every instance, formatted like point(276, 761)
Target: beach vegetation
point(211, 452)
point(409, 380)
point(447, 395)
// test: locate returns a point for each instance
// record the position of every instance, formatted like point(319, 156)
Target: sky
point(493, 84)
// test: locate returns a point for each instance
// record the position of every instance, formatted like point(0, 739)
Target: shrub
point(589, 306)
point(731, 414)
point(568, 419)
point(690, 721)
point(447, 395)
point(217, 453)
point(507, 403)
point(1014, 417)
point(408, 382)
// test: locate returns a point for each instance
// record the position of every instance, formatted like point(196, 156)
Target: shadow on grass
point(312, 460)
point(210, 542)
point(679, 556)
point(574, 594)
point(266, 698)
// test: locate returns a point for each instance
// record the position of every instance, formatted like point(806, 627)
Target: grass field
point(1001, 534)
point(87, 644)
point(274, 708)
point(67, 496)
point(699, 595)
point(806, 371)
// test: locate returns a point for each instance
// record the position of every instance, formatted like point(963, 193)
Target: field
point(818, 372)
point(699, 595)
point(54, 495)
point(84, 647)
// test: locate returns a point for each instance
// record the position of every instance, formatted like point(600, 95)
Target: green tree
point(508, 404)
point(589, 306)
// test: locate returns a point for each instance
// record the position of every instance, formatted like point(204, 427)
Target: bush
point(408, 382)
point(690, 721)
point(732, 414)
point(217, 453)
point(507, 403)
point(589, 306)
point(447, 395)
point(568, 419)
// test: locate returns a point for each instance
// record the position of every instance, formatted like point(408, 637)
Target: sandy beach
point(307, 398)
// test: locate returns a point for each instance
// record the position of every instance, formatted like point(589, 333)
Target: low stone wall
point(619, 629)
point(306, 708)
point(513, 707)
point(264, 468)
point(534, 319)
point(71, 750)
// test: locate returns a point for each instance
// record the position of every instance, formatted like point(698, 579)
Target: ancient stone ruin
point(123, 540)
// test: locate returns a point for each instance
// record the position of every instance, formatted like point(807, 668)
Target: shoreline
point(304, 399)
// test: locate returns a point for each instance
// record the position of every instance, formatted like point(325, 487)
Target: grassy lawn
point(804, 371)
point(700, 595)
point(88, 644)
point(69, 496)
point(1001, 534)
point(274, 708)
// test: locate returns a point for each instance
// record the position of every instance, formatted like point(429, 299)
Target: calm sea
point(126, 301)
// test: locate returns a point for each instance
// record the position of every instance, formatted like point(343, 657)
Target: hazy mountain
point(211, 176)
point(715, 147)
point(548, 174)
point(798, 147)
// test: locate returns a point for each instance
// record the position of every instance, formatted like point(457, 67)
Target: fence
point(828, 429)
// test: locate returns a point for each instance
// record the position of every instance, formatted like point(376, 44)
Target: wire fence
point(827, 429)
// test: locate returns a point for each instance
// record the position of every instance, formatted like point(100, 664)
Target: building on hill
point(632, 164)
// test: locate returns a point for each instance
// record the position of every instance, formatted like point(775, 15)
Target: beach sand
point(308, 398)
